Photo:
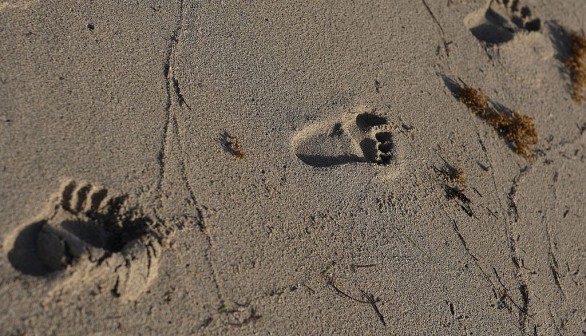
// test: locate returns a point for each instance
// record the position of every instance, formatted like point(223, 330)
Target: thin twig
point(339, 291)
point(433, 16)
point(372, 301)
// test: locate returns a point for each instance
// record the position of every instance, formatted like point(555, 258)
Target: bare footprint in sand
point(88, 238)
point(358, 136)
point(514, 36)
point(499, 20)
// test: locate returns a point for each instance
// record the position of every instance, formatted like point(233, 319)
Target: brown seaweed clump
point(575, 64)
point(454, 175)
point(231, 145)
point(517, 129)
point(473, 98)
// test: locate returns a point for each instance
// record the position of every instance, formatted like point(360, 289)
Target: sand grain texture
point(224, 167)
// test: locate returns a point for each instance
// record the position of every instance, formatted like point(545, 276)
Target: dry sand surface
point(291, 168)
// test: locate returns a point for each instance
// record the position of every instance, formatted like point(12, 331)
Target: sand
point(288, 168)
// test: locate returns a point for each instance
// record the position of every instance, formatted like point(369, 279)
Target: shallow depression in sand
point(356, 137)
point(92, 235)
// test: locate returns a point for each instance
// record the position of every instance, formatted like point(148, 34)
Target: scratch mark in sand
point(513, 217)
point(174, 99)
point(517, 261)
point(442, 33)
point(500, 291)
point(552, 260)
point(553, 263)
point(168, 74)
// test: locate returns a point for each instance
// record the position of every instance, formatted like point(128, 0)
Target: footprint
point(359, 136)
point(499, 20)
point(88, 237)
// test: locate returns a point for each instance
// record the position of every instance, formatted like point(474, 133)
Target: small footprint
point(88, 237)
point(358, 136)
point(499, 20)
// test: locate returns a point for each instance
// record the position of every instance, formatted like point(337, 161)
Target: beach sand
point(289, 168)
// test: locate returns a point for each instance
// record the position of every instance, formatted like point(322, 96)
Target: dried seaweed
point(231, 145)
point(574, 62)
point(474, 99)
point(516, 128)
